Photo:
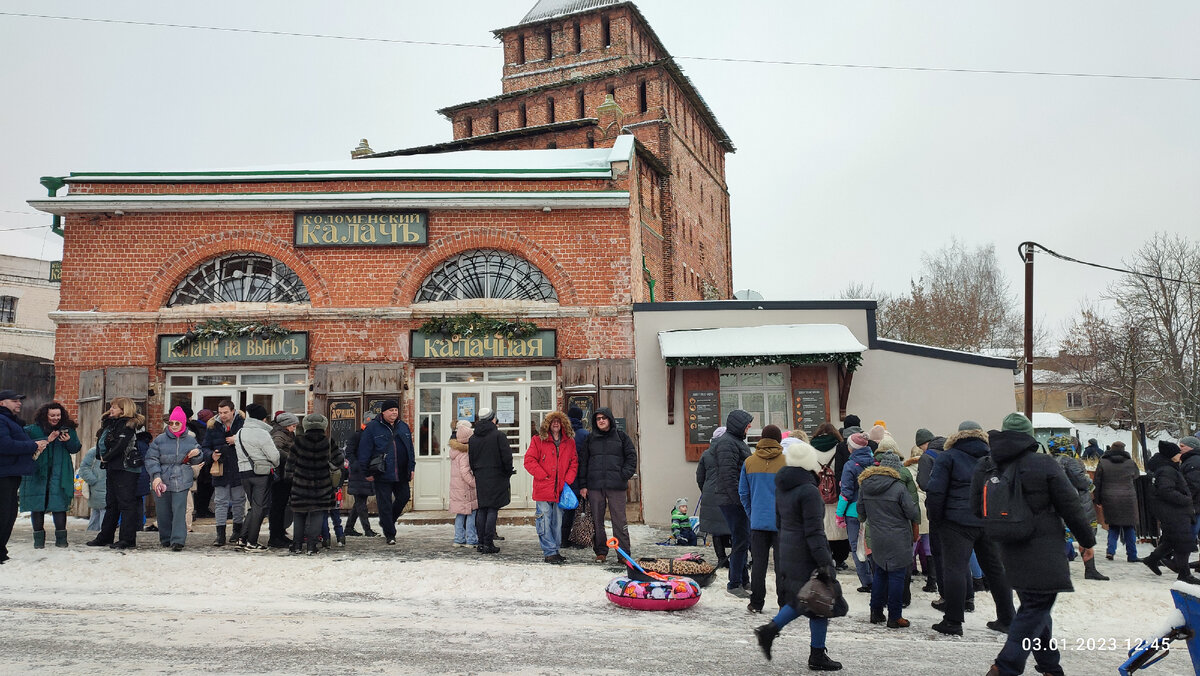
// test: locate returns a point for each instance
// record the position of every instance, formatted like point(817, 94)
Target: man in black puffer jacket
point(1037, 565)
point(948, 503)
point(606, 464)
point(731, 452)
point(1171, 504)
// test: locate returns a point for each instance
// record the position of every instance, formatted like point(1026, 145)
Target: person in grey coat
point(889, 512)
point(94, 476)
point(712, 521)
point(1116, 493)
point(168, 462)
point(1077, 474)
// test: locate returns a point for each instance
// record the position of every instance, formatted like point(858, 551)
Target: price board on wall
point(703, 414)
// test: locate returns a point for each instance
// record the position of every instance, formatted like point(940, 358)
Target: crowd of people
point(855, 495)
point(808, 505)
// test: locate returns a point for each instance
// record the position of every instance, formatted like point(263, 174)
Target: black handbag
point(376, 464)
point(822, 598)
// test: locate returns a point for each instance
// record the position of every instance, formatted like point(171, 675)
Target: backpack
point(1006, 515)
point(827, 485)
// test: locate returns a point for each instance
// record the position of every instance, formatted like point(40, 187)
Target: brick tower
point(578, 73)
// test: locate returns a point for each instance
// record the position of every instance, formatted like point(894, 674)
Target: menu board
point(343, 422)
point(809, 409)
point(585, 403)
point(703, 415)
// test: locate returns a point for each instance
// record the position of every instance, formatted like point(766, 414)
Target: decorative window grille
point(486, 273)
point(240, 278)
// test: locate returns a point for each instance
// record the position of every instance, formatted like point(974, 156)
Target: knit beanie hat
point(967, 425)
point(800, 454)
point(890, 459)
point(737, 421)
point(286, 419)
point(881, 424)
point(485, 414)
point(1168, 449)
point(876, 433)
point(857, 441)
point(851, 421)
point(462, 431)
point(1190, 441)
point(178, 415)
point(205, 415)
point(851, 430)
point(575, 412)
point(257, 411)
point(1016, 422)
point(680, 501)
point(924, 436)
point(388, 404)
point(772, 432)
point(315, 421)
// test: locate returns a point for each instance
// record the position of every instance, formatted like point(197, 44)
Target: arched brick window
point(486, 273)
point(240, 278)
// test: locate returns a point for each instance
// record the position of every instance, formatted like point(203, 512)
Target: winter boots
point(39, 539)
point(60, 538)
point(1090, 572)
point(877, 617)
point(237, 534)
point(818, 660)
point(766, 636)
point(220, 541)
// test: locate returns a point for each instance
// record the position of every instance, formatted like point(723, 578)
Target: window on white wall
point(762, 391)
point(8, 309)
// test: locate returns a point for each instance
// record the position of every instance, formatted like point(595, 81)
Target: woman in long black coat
point(1116, 493)
point(491, 463)
point(800, 516)
point(312, 494)
point(1171, 503)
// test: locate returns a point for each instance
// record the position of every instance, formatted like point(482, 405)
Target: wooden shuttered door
point(610, 383)
point(701, 409)
point(97, 387)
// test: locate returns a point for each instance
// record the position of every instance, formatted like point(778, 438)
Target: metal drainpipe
point(52, 184)
point(648, 274)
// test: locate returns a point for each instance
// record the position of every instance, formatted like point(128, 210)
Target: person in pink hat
point(168, 461)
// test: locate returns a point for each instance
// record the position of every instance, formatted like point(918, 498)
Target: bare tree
point(883, 304)
point(1108, 356)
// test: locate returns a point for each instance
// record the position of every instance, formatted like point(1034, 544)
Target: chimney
point(610, 117)
point(362, 150)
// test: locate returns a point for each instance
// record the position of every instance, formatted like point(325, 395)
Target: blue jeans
point(1032, 627)
point(171, 509)
point(464, 529)
point(1129, 535)
point(817, 626)
point(96, 519)
point(336, 515)
point(863, 568)
point(739, 530)
point(549, 527)
point(887, 587)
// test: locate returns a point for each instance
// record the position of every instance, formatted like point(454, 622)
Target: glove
point(827, 573)
point(841, 521)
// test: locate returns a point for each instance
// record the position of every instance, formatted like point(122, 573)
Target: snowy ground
point(425, 607)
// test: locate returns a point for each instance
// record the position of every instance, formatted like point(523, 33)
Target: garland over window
point(227, 328)
point(475, 324)
point(851, 360)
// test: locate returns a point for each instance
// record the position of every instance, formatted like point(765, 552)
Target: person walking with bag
point(552, 461)
point(803, 551)
point(1037, 564)
point(257, 457)
point(169, 461)
point(51, 488)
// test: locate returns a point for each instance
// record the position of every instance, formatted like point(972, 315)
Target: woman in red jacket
point(552, 461)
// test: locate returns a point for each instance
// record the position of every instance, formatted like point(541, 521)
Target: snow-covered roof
point(553, 9)
point(1044, 420)
point(748, 341)
point(1048, 377)
point(484, 164)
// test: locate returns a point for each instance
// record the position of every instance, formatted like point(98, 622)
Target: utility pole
point(1029, 330)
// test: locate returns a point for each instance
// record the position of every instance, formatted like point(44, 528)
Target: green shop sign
point(56, 271)
point(356, 228)
point(240, 349)
point(540, 345)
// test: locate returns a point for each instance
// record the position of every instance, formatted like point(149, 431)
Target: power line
point(1021, 252)
point(780, 62)
point(21, 213)
point(31, 227)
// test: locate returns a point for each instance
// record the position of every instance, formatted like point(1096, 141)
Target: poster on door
point(464, 407)
point(506, 409)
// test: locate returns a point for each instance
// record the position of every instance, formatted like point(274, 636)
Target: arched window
point(486, 273)
point(240, 278)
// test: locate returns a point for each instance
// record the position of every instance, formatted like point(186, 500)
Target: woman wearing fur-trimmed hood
point(553, 462)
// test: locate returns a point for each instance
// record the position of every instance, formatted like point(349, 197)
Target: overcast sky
point(840, 174)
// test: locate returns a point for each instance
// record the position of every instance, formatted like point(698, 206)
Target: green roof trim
point(322, 172)
point(510, 194)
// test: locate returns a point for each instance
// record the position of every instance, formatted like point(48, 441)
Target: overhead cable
point(1021, 253)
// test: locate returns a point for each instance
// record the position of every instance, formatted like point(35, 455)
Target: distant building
point(27, 296)
point(1056, 391)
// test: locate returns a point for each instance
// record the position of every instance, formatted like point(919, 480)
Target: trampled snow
point(424, 606)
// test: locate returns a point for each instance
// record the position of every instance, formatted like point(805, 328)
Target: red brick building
point(331, 287)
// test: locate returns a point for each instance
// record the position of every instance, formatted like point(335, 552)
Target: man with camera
point(16, 460)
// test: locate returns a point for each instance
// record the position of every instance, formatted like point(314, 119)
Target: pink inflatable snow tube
point(675, 593)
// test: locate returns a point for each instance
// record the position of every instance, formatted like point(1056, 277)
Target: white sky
point(840, 173)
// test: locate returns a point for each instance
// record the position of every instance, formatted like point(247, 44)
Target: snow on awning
point(750, 341)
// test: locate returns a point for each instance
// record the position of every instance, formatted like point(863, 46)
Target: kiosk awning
point(749, 341)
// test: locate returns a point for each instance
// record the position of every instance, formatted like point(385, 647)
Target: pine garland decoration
point(228, 328)
point(476, 324)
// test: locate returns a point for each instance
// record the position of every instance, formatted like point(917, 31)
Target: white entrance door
point(520, 398)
